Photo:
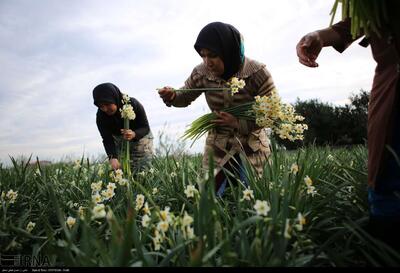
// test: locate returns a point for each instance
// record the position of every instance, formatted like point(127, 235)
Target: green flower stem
point(126, 164)
point(202, 89)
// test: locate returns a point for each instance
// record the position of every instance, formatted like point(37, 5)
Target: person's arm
point(310, 45)
point(108, 141)
point(180, 98)
point(140, 125)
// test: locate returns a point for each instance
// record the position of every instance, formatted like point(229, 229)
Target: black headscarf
point(225, 41)
point(107, 93)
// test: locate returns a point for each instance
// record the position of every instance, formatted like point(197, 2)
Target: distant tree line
point(333, 125)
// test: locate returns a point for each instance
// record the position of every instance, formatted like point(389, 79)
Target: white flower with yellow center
point(111, 186)
point(308, 181)
point(301, 221)
point(235, 84)
point(163, 226)
point(70, 221)
point(294, 169)
point(247, 195)
point(146, 209)
point(96, 198)
point(165, 214)
point(77, 164)
point(187, 220)
point(139, 201)
point(262, 207)
point(190, 191)
point(96, 186)
point(107, 194)
point(98, 211)
point(12, 196)
point(173, 174)
point(30, 226)
point(127, 112)
point(146, 220)
point(154, 191)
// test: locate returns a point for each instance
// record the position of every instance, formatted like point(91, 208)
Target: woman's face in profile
point(213, 62)
point(108, 108)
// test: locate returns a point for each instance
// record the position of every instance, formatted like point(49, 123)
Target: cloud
point(53, 54)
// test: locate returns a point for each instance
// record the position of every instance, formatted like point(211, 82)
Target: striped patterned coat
point(224, 142)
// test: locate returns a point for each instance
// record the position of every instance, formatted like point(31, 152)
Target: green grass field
point(307, 210)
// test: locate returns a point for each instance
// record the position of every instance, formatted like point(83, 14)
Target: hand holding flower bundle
point(266, 111)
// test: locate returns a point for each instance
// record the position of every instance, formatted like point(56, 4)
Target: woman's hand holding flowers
point(128, 134)
point(226, 119)
point(167, 94)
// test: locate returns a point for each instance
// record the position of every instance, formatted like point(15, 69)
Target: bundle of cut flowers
point(266, 111)
point(366, 16)
point(127, 113)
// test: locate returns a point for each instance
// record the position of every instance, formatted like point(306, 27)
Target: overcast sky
point(54, 52)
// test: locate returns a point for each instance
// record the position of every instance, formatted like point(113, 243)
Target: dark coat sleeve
point(343, 28)
point(106, 135)
point(140, 124)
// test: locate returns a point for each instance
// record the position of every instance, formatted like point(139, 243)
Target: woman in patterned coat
point(221, 47)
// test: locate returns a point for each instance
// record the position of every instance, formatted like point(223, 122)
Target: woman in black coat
point(108, 98)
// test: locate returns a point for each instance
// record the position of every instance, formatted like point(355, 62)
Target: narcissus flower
point(301, 221)
point(187, 220)
point(70, 221)
point(146, 209)
point(247, 195)
point(12, 196)
point(294, 168)
point(139, 201)
point(154, 191)
point(127, 112)
point(98, 211)
point(190, 191)
point(308, 181)
point(96, 186)
point(235, 84)
point(30, 226)
point(262, 207)
point(146, 220)
point(163, 226)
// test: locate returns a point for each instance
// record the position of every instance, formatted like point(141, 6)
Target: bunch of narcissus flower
point(127, 114)
point(235, 84)
point(366, 17)
point(266, 111)
point(127, 109)
point(270, 112)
